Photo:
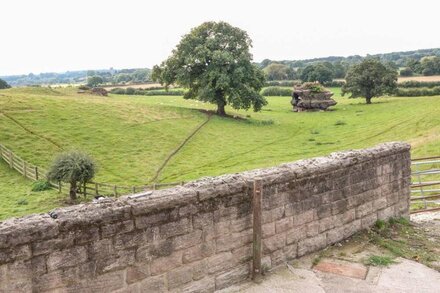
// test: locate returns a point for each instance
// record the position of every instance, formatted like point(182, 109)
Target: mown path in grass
point(135, 138)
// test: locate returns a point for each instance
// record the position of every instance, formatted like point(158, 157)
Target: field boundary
point(34, 173)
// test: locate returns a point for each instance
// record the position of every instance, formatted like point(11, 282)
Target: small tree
point(72, 167)
point(4, 84)
point(369, 79)
point(213, 61)
point(94, 81)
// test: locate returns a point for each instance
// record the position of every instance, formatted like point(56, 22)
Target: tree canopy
point(94, 80)
point(4, 84)
point(320, 72)
point(213, 61)
point(370, 79)
point(72, 167)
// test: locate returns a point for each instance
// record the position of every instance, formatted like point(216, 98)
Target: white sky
point(60, 35)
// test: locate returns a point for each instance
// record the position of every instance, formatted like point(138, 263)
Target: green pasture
point(130, 137)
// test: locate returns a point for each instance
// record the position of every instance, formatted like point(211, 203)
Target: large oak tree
point(369, 79)
point(214, 63)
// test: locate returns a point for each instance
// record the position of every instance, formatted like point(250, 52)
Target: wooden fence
point(35, 173)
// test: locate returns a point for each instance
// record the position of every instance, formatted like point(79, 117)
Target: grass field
point(17, 199)
point(131, 137)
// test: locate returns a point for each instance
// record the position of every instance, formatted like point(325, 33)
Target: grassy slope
point(130, 136)
point(17, 199)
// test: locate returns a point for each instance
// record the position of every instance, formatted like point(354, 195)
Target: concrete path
point(337, 275)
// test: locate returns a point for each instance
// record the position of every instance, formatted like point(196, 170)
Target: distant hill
point(398, 58)
point(113, 76)
point(337, 64)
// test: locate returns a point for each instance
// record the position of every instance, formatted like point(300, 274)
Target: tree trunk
point(73, 190)
point(221, 109)
point(368, 100)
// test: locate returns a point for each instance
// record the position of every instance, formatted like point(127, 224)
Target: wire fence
point(91, 188)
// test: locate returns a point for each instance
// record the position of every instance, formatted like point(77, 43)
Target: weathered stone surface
point(198, 237)
point(306, 99)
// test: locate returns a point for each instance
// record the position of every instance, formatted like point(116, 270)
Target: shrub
point(130, 91)
point(289, 83)
point(419, 84)
point(84, 87)
point(418, 92)
point(40, 185)
point(276, 91)
point(72, 167)
point(4, 84)
point(334, 83)
point(406, 72)
point(118, 91)
point(313, 87)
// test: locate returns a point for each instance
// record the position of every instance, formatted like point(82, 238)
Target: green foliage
point(313, 87)
point(213, 61)
point(72, 167)
point(317, 72)
point(380, 224)
point(40, 185)
point(276, 91)
point(381, 261)
point(407, 71)
point(148, 92)
point(370, 79)
point(419, 84)
point(418, 92)
point(276, 71)
point(4, 84)
point(94, 81)
point(284, 83)
point(84, 88)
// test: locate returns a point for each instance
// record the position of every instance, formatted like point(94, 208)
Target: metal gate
point(425, 186)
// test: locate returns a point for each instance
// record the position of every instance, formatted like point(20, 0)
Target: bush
point(313, 87)
point(84, 87)
point(40, 185)
point(130, 91)
point(418, 92)
point(118, 91)
point(4, 84)
point(406, 72)
point(147, 92)
point(276, 91)
point(419, 84)
point(290, 83)
point(334, 83)
point(72, 167)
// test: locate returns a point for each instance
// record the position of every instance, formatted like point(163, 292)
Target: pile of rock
point(311, 97)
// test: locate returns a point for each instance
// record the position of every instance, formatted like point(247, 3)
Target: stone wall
point(198, 237)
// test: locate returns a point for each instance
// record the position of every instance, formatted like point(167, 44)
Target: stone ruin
point(311, 97)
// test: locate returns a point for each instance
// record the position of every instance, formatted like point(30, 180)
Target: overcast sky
point(60, 35)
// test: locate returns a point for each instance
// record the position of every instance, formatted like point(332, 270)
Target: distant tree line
point(421, 62)
point(108, 76)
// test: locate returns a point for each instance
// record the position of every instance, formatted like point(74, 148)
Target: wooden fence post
point(84, 189)
point(59, 186)
point(115, 191)
point(36, 173)
point(96, 189)
point(11, 160)
point(133, 189)
point(24, 169)
point(256, 212)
